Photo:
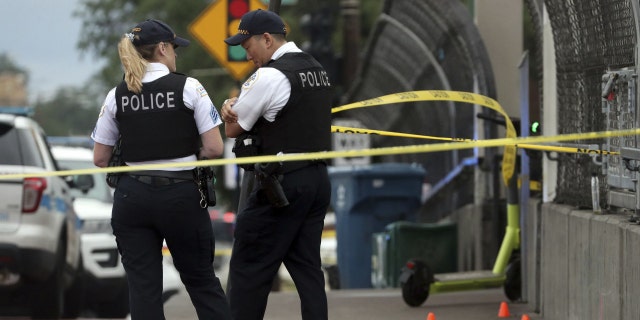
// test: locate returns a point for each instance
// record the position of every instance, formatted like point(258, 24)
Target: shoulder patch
point(215, 116)
point(201, 91)
point(247, 84)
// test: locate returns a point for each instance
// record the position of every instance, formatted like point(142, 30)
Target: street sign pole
point(274, 5)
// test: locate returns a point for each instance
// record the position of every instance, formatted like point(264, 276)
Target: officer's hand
point(228, 115)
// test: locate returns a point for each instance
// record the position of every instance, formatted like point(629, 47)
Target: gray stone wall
point(582, 266)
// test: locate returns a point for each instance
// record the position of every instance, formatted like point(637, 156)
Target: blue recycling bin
point(365, 200)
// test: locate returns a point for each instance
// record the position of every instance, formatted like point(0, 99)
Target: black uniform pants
point(266, 237)
point(143, 215)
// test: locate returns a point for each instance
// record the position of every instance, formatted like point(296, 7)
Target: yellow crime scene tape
point(509, 155)
point(509, 143)
point(423, 148)
point(551, 148)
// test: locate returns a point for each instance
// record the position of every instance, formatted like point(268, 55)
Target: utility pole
point(351, 40)
point(274, 5)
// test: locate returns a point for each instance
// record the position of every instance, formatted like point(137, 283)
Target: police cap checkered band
point(257, 22)
point(152, 31)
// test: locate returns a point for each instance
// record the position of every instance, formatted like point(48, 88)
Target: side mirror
point(82, 182)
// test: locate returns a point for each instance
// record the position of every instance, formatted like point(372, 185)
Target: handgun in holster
point(269, 179)
point(115, 161)
point(206, 183)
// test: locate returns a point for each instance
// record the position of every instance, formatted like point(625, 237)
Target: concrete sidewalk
point(388, 304)
point(380, 304)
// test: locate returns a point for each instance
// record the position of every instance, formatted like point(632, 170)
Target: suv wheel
point(118, 307)
point(49, 295)
point(75, 295)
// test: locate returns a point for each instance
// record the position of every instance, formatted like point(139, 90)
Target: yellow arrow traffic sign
point(214, 25)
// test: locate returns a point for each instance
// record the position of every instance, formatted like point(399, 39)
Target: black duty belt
point(290, 166)
point(161, 177)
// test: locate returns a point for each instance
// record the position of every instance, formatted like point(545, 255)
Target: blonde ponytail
point(133, 63)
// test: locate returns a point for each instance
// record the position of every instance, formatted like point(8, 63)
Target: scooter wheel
point(415, 284)
point(415, 293)
point(513, 280)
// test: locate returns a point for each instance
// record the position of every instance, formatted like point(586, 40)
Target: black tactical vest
point(155, 124)
point(304, 123)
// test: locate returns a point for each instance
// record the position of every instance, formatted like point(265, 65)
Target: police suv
point(107, 294)
point(40, 259)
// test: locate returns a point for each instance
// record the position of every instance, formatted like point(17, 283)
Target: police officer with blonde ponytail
point(159, 116)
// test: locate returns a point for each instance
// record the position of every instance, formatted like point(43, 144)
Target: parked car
point(107, 294)
point(106, 284)
point(40, 257)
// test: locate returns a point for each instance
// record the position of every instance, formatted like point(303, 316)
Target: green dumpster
point(434, 243)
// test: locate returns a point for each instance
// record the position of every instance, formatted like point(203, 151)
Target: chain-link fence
point(425, 45)
point(434, 45)
point(591, 38)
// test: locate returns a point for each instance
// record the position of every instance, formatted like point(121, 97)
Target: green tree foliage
point(70, 112)
point(105, 22)
point(7, 64)
point(369, 12)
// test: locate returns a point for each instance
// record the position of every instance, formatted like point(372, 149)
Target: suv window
point(19, 147)
point(100, 190)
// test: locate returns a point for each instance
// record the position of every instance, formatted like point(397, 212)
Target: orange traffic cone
point(525, 317)
point(504, 310)
point(431, 316)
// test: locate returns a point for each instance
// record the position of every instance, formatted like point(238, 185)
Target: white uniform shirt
point(195, 97)
point(264, 93)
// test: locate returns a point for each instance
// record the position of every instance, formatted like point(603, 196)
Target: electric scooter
point(418, 281)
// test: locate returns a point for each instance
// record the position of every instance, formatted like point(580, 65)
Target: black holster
point(269, 179)
point(246, 145)
point(115, 161)
point(206, 183)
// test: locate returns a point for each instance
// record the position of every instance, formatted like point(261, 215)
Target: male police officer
point(284, 107)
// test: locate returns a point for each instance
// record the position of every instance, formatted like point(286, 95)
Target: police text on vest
point(314, 79)
point(154, 100)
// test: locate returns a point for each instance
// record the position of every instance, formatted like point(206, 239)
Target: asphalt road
point(380, 304)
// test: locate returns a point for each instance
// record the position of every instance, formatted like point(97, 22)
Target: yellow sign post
point(219, 21)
